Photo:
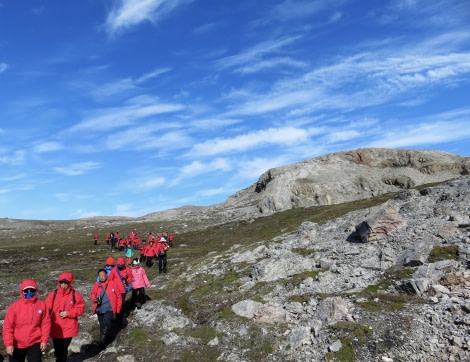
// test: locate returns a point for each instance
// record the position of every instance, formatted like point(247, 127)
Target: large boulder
point(381, 222)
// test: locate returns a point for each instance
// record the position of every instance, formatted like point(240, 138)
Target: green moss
point(304, 252)
point(439, 253)
point(137, 337)
point(387, 302)
point(345, 354)
point(206, 334)
point(299, 298)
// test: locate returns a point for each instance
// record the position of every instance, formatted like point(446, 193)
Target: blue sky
point(126, 107)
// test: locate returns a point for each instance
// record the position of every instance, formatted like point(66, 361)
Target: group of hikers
point(155, 247)
point(30, 322)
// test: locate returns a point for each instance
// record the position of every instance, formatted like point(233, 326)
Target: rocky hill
point(382, 279)
point(346, 176)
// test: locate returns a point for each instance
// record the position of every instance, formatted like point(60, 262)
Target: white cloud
point(270, 63)
point(152, 74)
point(256, 53)
point(77, 168)
point(3, 67)
point(48, 147)
point(278, 136)
point(112, 118)
point(338, 136)
point(440, 128)
point(13, 178)
point(126, 14)
point(15, 159)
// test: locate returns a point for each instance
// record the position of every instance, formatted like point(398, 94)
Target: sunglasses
point(29, 290)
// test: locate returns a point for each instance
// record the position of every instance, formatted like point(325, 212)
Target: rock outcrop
point(346, 176)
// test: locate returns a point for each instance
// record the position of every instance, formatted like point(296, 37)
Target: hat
point(29, 287)
point(110, 261)
point(64, 281)
point(120, 261)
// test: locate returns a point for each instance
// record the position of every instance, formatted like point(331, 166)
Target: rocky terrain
point(345, 281)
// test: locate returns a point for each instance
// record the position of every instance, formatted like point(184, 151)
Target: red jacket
point(161, 248)
point(64, 301)
point(124, 275)
point(149, 250)
point(115, 297)
point(26, 321)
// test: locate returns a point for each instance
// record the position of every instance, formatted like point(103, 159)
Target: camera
point(98, 300)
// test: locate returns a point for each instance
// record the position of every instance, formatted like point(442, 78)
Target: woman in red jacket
point(161, 251)
point(64, 305)
point(107, 303)
point(26, 326)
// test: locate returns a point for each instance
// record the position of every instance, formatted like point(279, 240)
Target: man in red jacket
point(161, 250)
point(64, 305)
point(27, 325)
point(107, 303)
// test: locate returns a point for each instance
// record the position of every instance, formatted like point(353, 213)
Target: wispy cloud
point(13, 178)
point(16, 158)
point(48, 147)
point(153, 74)
point(3, 67)
point(77, 168)
point(439, 128)
point(278, 136)
point(127, 14)
point(255, 54)
point(111, 118)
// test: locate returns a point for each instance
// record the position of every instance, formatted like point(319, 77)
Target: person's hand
point(10, 350)
point(64, 314)
point(42, 347)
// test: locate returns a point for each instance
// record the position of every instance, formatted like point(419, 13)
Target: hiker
point(149, 253)
point(171, 237)
point(161, 251)
point(150, 237)
point(64, 305)
point(107, 303)
point(95, 238)
point(124, 276)
point(139, 283)
point(26, 326)
point(113, 240)
point(128, 253)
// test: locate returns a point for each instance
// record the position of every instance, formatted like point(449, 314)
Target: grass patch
point(137, 337)
point(352, 336)
point(306, 253)
point(206, 334)
point(439, 253)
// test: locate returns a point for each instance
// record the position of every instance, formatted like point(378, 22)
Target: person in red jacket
point(95, 238)
point(64, 305)
point(161, 251)
point(149, 254)
point(107, 303)
point(27, 325)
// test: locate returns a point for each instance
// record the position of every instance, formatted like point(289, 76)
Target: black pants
point(149, 261)
point(138, 296)
point(162, 263)
point(104, 320)
point(61, 348)
point(33, 353)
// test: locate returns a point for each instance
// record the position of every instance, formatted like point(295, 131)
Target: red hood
point(27, 283)
point(67, 276)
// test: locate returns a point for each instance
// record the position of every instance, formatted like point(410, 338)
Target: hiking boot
point(102, 341)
